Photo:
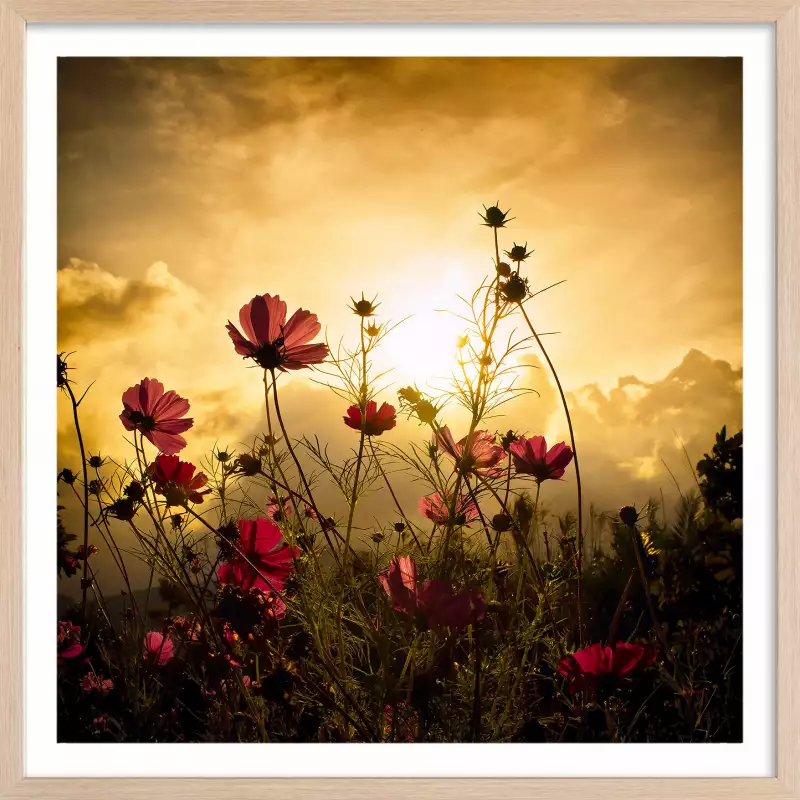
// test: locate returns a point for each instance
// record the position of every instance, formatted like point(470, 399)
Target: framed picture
point(403, 373)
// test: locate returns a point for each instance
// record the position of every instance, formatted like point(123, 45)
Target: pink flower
point(279, 512)
point(156, 415)
point(595, 662)
point(309, 512)
point(377, 420)
point(92, 682)
point(531, 457)
point(260, 542)
point(271, 341)
point(158, 648)
point(175, 479)
point(481, 453)
point(434, 604)
point(437, 508)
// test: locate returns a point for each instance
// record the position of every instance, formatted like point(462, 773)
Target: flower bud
point(503, 269)
point(628, 516)
point(364, 307)
point(426, 412)
point(493, 217)
point(508, 438)
point(134, 491)
point(410, 395)
point(248, 465)
point(515, 289)
point(501, 522)
point(519, 252)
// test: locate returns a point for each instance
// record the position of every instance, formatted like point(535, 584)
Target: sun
point(424, 349)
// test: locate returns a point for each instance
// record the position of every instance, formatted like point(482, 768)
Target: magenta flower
point(157, 415)
point(531, 457)
point(437, 509)
point(91, 682)
point(378, 420)
point(175, 479)
point(260, 542)
point(157, 648)
point(271, 341)
point(481, 453)
point(69, 642)
point(587, 667)
point(434, 604)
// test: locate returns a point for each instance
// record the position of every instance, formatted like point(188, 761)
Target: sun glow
point(424, 348)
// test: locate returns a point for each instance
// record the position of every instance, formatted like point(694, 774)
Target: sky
point(187, 186)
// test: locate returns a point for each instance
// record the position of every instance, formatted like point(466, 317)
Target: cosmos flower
point(378, 420)
point(91, 682)
point(69, 642)
point(259, 541)
point(531, 457)
point(279, 511)
point(86, 552)
point(437, 509)
point(434, 604)
point(481, 452)
point(176, 480)
point(271, 341)
point(157, 415)
point(157, 648)
point(595, 663)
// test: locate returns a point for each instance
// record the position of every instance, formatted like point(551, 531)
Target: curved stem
point(394, 496)
point(312, 502)
point(85, 580)
point(579, 560)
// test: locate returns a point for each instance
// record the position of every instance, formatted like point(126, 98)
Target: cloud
point(319, 178)
point(93, 302)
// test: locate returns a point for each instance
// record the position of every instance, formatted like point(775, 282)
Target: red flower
point(156, 415)
point(271, 341)
point(481, 453)
point(378, 420)
point(176, 480)
point(434, 604)
point(437, 509)
point(259, 541)
point(531, 457)
point(157, 648)
point(82, 552)
point(595, 662)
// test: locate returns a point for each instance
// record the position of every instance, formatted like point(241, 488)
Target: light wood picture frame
point(16, 14)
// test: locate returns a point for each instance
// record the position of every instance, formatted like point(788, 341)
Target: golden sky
point(186, 186)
